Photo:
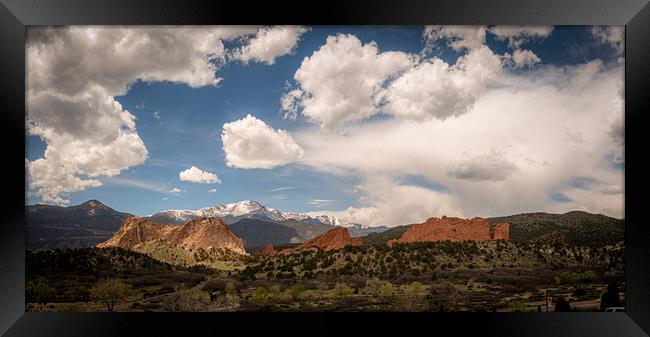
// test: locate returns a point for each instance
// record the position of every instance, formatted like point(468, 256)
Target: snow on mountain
point(181, 216)
point(331, 220)
point(248, 209)
point(243, 209)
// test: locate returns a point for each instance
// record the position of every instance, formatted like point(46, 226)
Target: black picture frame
point(15, 15)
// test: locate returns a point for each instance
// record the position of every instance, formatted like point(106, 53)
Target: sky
point(380, 125)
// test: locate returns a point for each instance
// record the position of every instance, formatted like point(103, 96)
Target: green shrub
point(574, 278)
point(386, 290)
point(342, 290)
point(260, 296)
point(297, 291)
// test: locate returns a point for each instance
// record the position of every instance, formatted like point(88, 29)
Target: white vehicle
point(615, 309)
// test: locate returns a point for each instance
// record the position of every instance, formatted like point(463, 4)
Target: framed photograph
point(366, 167)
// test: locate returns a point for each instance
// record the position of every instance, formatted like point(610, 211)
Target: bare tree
point(190, 300)
point(110, 291)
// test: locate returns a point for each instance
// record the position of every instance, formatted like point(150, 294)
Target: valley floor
point(466, 276)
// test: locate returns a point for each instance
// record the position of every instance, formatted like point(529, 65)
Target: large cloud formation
point(73, 75)
point(250, 143)
point(339, 82)
point(505, 155)
point(346, 81)
point(517, 140)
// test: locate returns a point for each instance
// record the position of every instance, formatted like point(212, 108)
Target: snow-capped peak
point(252, 209)
point(244, 209)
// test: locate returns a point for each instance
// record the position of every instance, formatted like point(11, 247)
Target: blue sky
point(181, 126)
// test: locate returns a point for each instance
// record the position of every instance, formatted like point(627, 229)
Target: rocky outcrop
point(267, 251)
point(335, 238)
point(501, 232)
point(199, 233)
point(452, 229)
point(134, 231)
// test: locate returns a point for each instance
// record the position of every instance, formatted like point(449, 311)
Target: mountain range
point(79, 226)
point(249, 209)
point(87, 224)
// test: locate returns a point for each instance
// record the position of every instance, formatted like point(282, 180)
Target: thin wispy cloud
point(285, 188)
point(165, 163)
point(320, 202)
point(143, 184)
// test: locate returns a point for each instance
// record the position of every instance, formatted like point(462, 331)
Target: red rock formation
point(334, 238)
point(446, 228)
point(267, 251)
point(133, 231)
point(200, 233)
point(501, 232)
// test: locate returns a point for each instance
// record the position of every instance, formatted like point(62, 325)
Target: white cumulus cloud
point(291, 103)
point(518, 35)
point(250, 143)
point(73, 75)
point(458, 37)
point(524, 58)
point(196, 175)
point(347, 81)
point(504, 155)
point(435, 89)
point(612, 35)
point(339, 82)
point(269, 43)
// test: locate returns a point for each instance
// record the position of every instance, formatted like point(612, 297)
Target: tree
point(412, 295)
point(78, 293)
point(517, 306)
point(231, 292)
point(610, 297)
point(561, 305)
point(373, 285)
point(230, 288)
point(189, 300)
point(110, 291)
point(39, 291)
